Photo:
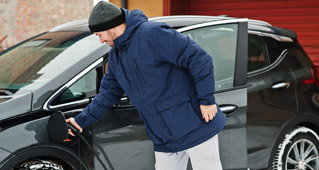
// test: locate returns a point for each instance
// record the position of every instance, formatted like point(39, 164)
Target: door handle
point(281, 85)
point(228, 109)
point(124, 100)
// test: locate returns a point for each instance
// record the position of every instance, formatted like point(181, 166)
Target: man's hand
point(208, 112)
point(73, 123)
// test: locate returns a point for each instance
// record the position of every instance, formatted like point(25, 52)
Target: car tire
point(40, 164)
point(298, 150)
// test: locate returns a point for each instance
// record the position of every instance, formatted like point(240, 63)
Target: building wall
point(297, 15)
point(176, 7)
point(21, 19)
point(151, 8)
point(116, 2)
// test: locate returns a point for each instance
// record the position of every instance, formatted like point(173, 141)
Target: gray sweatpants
point(204, 156)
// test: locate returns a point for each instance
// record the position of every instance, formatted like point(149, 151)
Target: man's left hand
point(208, 111)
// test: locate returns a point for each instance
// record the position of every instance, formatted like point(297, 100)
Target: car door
point(271, 94)
point(119, 138)
point(226, 42)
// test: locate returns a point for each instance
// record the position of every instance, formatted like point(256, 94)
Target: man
point(169, 79)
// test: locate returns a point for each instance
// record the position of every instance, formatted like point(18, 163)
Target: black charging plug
point(74, 130)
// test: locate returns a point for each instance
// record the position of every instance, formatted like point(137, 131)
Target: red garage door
point(302, 16)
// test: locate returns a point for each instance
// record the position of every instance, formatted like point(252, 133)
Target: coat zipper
point(139, 91)
point(138, 72)
point(136, 82)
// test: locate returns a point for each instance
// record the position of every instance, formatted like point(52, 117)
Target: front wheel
point(298, 151)
point(39, 165)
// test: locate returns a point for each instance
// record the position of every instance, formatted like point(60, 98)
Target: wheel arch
point(58, 153)
point(305, 120)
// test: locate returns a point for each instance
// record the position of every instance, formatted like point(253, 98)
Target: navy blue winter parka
point(166, 76)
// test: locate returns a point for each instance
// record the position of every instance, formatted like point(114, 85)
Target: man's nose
point(101, 40)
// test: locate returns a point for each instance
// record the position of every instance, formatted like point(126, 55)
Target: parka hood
point(133, 19)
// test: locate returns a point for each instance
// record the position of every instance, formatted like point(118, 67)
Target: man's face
point(107, 36)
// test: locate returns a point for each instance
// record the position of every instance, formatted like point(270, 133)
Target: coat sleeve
point(110, 94)
point(182, 51)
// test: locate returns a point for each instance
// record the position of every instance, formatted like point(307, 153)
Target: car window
point(275, 47)
point(32, 64)
point(257, 53)
point(83, 88)
point(220, 42)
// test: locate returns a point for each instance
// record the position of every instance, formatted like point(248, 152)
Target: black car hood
point(15, 104)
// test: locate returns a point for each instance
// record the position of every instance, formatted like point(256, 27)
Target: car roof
point(179, 21)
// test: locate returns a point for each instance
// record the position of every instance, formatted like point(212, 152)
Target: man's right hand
point(74, 124)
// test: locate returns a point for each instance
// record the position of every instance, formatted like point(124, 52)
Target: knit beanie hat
point(104, 16)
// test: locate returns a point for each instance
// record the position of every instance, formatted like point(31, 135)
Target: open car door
point(227, 42)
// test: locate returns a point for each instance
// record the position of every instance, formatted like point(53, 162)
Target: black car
point(266, 85)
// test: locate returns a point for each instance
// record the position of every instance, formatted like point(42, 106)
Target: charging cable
point(76, 132)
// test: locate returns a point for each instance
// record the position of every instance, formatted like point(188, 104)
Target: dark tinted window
point(275, 47)
point(257, 53)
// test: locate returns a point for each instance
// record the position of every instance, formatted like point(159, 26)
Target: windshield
point(33, 63)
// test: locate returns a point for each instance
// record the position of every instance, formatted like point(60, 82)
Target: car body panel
point(22, 100)
point(266, 113)
point(31, 135)
point(232, 140)
point(121, 135)
point(25, 134)
point(4, 154)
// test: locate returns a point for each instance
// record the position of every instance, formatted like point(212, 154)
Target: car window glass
point(275, 47)
point(220, 42)
point(257, 53)
point(32, 64)
point(83, 88)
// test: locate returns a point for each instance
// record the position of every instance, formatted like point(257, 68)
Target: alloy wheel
point(302, 155)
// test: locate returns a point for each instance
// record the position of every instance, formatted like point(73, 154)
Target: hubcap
point(302, 155)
